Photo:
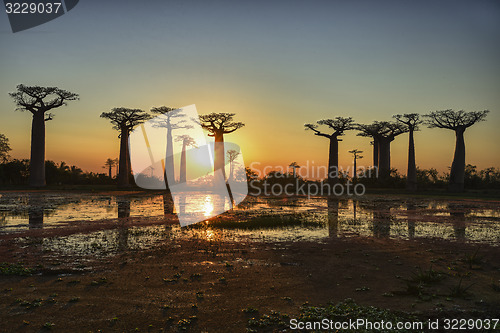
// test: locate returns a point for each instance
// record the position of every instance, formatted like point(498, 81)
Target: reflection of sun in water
point(208, 206)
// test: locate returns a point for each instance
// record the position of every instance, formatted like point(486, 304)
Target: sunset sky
point(276, 64)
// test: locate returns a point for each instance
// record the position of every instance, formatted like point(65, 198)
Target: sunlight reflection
point(208, 206)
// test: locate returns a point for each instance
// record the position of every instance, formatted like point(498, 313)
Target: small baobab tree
point(232, 155)
point(356, 154)
point(337, 126)
point(383, 133)
point(171, 119)
point(411, 120)
point(294, 166)
point(218, 124)
point(4, 149)
point(457, 121)
point(39, 101)
point(124, 120)
point(109, 164)
point(186, 142)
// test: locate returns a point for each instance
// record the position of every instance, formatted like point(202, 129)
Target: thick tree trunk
point(457, 172)
point(169, 159)
point(37, 162)
point(219, 156)
point(375, 152)
point(333, 160)
point(109, 171)
point(183, 170)
point(411, 173)
point(123, 164)
point(384, 159)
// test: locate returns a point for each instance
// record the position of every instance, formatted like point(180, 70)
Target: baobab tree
point(338, 125)
point(383, 133)
point(232, 155)
point(39, 101)
point(109, 164)
point(171, 119)
point(357, 156)
point(411, 120)
point(186, 142)
point(218, 124)
point(457, 121)
point(294, 166)
point(124, 120)
point(4, 149)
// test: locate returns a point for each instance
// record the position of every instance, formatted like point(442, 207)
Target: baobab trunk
point(169, 159)
point(333, 160)
point(183, 171)
point(411, 173)
point(109, 171)
point(375, 153)
point(219, 157)
point(37, 162)
point(124, 166)
point(457, 172)
point(384, 159)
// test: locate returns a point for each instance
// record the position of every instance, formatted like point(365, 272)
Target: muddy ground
point(204, 285)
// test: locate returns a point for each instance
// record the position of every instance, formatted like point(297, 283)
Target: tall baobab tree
point(411, 120)
point(186, 142)
point(383, 133)
point(109, 164)
point(124, 120)
point(171, 119)
point(39, 101)
point(357, 156)
point(338, 125)
point(4, 148)
point(218, 124)
point(457, 121)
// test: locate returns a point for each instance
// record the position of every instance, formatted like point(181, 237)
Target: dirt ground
point(204, 286)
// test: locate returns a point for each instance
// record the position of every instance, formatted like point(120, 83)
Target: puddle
point(255, 220)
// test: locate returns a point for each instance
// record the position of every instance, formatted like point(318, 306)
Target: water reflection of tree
point(123, 207)
point(35, 211)
point(382, 219)
point(333, 216)
point(458, 214)
point(410, 209)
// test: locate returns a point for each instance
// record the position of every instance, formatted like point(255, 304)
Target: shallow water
point(314, 219)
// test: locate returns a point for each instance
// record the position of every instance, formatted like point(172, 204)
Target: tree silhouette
point(338, 125)
point(411, 120)
point(124, 120)
point(218, 124)
point(357, 156)
point(383, 133)
point(232, 155)
point(171, 120)
point(39, 100)
point(294, 166)
point(186, 142)
point(4, 149)
point(457, 121)
point(109, 164)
